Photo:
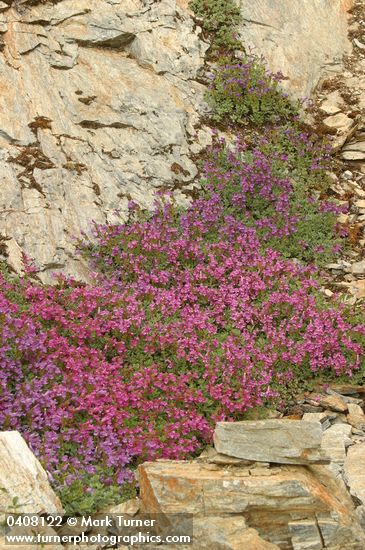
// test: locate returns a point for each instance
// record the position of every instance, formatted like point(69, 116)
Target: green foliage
point(298, 156)
point(90, 493)
point(314, 238)
point(219, 18)
point(295, 165)
point(246, 91)
point(259, 413)
point(355, 316)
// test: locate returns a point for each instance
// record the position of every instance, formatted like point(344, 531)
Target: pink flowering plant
point(220, 20)
point(245, 91)
point(190, 322)
point(195, 315)
point(275, 187)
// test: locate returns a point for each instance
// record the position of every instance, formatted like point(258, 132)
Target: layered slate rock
point(354, 150)
point(334, 442)
point(355, 472)
point(220, 533)
point(278, 440)
point(295, 507)
point(284, 504)
point(356, 417)
point(225, 533)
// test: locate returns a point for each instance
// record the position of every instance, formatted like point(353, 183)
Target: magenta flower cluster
point(259, 187)
point(190, 321)
point(248, 77)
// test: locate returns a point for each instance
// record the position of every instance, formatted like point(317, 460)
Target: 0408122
point(33, 520)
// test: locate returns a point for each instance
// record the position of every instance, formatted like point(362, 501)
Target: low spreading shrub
point(275, 186)
point(189, 323)
point(195, 315)
point(246, 91)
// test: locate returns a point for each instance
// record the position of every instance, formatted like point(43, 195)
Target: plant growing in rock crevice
point(220, 19)
point(190, 322)
point(274, 187)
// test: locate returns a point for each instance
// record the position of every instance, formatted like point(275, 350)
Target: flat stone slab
point(356, 417)
point(279, 440)
point(323, 417)
point(175, 487)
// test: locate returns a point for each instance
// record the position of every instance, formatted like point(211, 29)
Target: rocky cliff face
point(99, 104)
point(101, 101)
point(303, 40)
